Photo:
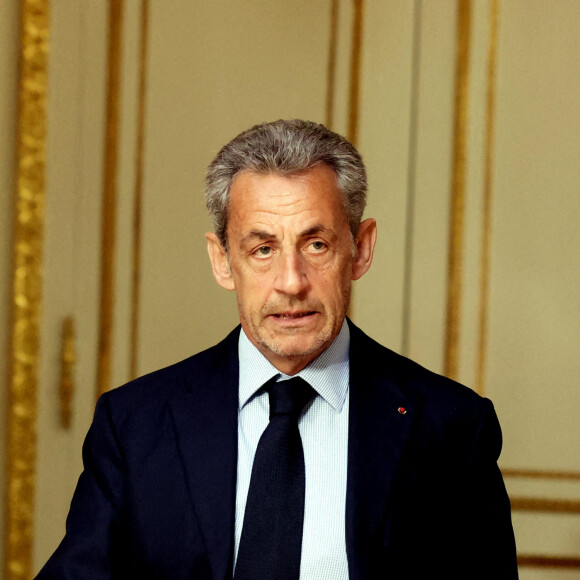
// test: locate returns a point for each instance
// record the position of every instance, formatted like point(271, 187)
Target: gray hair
point(285, 148)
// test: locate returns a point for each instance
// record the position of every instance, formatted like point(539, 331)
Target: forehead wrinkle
point(283, 208)
point(271, 219)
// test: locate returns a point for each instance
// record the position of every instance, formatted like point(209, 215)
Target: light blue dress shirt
point(324, 431)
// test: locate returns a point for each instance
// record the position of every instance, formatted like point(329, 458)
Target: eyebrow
point(265, 235)
point(316, 229)
point(260, 234)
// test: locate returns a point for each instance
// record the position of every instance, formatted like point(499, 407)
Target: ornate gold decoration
point(355, 72)
point(109, 206)
point(487, 197)
point(67, 364)
point(138, 194)
point(27, 291)
point(534, 561)
point(455, 267)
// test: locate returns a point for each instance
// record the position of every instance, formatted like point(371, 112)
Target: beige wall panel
point(74, 168)
point(533, 341)
point(548, 574)
point(215, 69)
point(9, 42)
point(533, 364)
point(554, 488)
point(92, 95)
point(55, 447)
point(433, 183)
point(548, 534)
point(91, 127)
point(343, 66)
point(384, 143)
point(127, 150)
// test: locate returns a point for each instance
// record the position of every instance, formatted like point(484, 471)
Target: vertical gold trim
point(138, 195)
point(454, 280)
point(67, 365)
point(408, 250)
point(331, 68)
point(355, 72)
point(109, 205)
point(487, 198)
point(27, 290)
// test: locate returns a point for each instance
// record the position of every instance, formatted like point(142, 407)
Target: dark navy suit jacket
point(156, 499)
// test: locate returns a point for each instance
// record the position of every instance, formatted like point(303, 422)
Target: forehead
point(271, 198)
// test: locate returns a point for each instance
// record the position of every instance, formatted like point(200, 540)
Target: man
point(228, 465)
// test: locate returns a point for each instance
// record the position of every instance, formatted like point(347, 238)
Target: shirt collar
point(328, 374)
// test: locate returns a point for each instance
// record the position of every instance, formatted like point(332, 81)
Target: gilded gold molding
point(455, 265)
point(138, 194)
point(408, 251)
point(67, 364)
point(354, 87)
point(545, 504)
point(540, 473)
point(109, 204)
point(355, 71)
point(27, 290)
point(331, 66)
point(537, 561)
point(487, 197)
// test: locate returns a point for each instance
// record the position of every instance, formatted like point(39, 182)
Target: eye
point(317, 246)
point(263, 252)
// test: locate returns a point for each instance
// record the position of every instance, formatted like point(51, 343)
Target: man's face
point(291, 261)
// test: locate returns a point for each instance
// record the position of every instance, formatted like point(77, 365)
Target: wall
point(467, 116)
point(474, 179)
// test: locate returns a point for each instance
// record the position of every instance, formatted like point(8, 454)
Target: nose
point(291, 278)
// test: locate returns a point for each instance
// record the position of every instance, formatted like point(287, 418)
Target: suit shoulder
point(411, 377)
point(452, 416)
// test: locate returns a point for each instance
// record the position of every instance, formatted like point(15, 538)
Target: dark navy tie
point(271, 540)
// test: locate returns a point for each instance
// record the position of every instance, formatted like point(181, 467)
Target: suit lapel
point(381, 416)
point(206, 422)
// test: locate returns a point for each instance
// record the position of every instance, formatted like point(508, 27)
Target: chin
point(298, 347)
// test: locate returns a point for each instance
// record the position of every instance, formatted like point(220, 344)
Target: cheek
point(333, 287)
point(251, 288)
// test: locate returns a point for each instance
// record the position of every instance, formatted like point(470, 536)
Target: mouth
point(294, 320)
point(293, 315)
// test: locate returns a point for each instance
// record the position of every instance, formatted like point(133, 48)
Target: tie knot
point(288, 397)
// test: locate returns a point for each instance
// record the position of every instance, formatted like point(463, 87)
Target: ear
point(365, 247)
point(220, 264)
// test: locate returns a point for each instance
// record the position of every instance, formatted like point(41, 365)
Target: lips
point(292, 315)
